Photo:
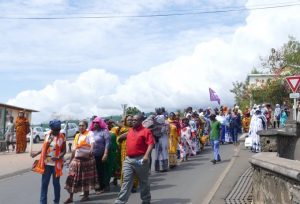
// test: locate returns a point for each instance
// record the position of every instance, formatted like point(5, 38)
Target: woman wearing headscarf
point(22, 129)
point(127, 124)
point(51, 161)
point(100, 151)
point(82, 175)
point(161, 134)
point(283, 117)
point(276, 119)
point(114, 151)
point(173, 139)
point(256, 125)
point(246, 121)
point(186, 146)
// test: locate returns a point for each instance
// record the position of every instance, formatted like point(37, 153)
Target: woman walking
point(100, 151)
point(186, 144)
point(283, 117)
point(82, 175)
point(173, 140)
point(114, 152)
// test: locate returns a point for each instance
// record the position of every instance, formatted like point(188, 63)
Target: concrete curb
point(25, 170)
point(13, 174)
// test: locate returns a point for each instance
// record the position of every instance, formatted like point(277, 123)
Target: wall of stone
point(272, 188)
point(287, 146)
point(268, 143)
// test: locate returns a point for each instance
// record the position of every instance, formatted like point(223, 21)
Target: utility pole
point(124, 106)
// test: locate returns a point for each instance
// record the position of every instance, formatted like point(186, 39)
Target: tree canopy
point(281, 62)
point(132, 111)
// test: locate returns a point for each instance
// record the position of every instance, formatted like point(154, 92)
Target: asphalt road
point(189, 183)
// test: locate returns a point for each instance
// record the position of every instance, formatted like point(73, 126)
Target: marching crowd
point(105, 151)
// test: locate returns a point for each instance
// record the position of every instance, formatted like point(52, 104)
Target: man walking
point(9, 134)
point(215, 138)
point(138, 147)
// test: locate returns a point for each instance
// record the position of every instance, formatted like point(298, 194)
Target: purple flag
point(213, 96)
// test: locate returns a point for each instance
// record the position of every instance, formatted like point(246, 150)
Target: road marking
point(216, 186)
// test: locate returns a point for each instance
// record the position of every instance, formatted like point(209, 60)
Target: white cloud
point(215, 62)
point(75, 99)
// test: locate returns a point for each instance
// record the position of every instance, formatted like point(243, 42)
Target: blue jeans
point(49, 170)
point(235, 132)
point(215, 144)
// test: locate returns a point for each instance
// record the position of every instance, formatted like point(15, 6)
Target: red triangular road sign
point(293, 82)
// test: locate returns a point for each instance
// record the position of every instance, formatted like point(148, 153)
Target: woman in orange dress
point(22, 129)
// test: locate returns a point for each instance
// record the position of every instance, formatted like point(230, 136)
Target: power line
point(237, 9)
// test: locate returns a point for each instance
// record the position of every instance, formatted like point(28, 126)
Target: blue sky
point(145, 62)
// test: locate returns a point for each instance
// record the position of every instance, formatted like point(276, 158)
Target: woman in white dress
point(256, 125)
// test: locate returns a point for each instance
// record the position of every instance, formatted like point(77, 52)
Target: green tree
point(132, 111)
point(275, 90)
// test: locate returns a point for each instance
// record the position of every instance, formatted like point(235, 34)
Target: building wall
point(5, 114)
point(259, 79)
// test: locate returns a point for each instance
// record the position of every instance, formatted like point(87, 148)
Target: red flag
point(213, 96)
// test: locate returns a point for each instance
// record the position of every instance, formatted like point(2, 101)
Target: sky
point(72, 67)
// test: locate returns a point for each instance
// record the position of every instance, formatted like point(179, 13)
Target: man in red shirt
point(139, 144)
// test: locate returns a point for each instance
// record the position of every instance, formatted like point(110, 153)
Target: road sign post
point(294, 82)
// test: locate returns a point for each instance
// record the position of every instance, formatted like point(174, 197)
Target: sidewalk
point(240, 165)
point(13, 164)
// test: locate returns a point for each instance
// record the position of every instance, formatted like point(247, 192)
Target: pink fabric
point(101, 123)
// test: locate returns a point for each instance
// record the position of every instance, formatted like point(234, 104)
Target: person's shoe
point(133, 190)
point(214, 161)
point(115, 181)
point(219, 160)
point(84, 198)
point(69, 200)
point(99, 192)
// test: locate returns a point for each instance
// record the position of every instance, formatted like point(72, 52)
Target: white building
point(257, 80)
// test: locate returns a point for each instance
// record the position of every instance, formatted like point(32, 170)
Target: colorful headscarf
point(55, 124)
point(100, 122)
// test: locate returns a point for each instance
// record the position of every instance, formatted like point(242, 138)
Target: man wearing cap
point(51, 161)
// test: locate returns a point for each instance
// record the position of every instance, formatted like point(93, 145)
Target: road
point(189, 183)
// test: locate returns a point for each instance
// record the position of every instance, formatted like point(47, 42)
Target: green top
point(215, 130)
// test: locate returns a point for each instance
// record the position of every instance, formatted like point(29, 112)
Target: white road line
point(214, 189)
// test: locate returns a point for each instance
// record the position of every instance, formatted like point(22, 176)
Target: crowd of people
point(105, 150)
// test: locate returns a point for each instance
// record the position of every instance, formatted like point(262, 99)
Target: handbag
point(82, 153)
point(248, 142)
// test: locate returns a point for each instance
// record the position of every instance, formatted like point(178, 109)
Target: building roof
point(3, 105)
point(262, 75)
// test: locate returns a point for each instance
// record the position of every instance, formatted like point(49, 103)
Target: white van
point(37, 134)
point(69, 129)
